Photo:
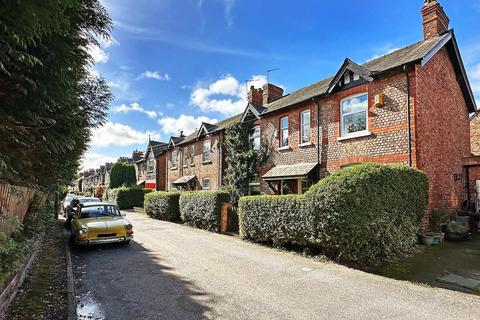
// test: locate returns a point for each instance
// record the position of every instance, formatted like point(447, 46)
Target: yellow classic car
point(100, 222)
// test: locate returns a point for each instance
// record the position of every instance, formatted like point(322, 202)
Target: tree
point(49, 98)
point(241, 159)
point(122, 174)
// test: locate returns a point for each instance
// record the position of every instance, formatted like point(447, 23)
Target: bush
point(201, 209)
point(127, 198)
point(122, 174)
point(365, 214)
point(163, 205)
point(99, 191)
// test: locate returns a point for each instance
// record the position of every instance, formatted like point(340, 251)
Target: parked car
point(100, 222)
point(66, 202)
point(72, 207)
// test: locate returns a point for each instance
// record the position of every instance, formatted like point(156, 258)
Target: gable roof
point(219, 126)
point(421, 52)
point(206, 128)
point(355, 68)
point(254, 109)
point(174, 141)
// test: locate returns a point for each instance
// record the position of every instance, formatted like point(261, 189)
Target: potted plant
point(439, 219)
point(456, 230)
point(427, 239)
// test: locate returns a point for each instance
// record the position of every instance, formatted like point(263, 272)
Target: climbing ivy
point(242, 161)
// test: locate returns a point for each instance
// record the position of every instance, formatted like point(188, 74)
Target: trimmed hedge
point(163, 205)
point(127, 198)
point(201, 209)
point(364, 214)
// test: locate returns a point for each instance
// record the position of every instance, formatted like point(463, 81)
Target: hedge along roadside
point(127, 198)
point(364, 215)
point(201, 209)
point(163, 205)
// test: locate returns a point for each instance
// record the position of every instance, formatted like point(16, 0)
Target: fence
point(15, 200)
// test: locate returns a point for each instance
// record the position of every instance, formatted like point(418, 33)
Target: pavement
point(171, 271)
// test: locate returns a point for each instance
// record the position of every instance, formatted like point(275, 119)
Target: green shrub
point(122, 174)
point(201, 209)
point(365, 214)
point(127, 198)
point(163, 205)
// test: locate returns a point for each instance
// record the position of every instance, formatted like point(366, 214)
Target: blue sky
point(175, 63)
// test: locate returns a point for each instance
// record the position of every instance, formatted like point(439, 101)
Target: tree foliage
point(49, 98)
point(242, 161)
point(122, 174)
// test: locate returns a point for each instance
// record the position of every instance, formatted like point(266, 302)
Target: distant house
point(197, 161)
point(148, 175)
point(410, 106)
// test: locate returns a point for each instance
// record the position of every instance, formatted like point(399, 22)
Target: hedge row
point(201, 209)
point(365, 214)
point(163, 205)
point(127, 198)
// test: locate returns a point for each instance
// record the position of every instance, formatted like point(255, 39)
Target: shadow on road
point(130, 282)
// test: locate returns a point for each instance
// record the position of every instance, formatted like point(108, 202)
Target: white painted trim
point(359, 134)
point(302, 125)
point(283, 148)
point(306, 144)
point(341, 115)
point(437, 48)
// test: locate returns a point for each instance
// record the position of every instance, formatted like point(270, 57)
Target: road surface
point(172, 271)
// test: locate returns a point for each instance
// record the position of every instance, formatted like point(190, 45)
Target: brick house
point(410, 106)
point(197, 161)
point(146, 167)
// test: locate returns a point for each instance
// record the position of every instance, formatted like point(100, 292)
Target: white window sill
point(207, 162)
point(283, 148)
point(173, 168)
point(355, 135)
point(306, 144)
point(185, 166)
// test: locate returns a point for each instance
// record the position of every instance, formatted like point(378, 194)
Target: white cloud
point(92, 160)
point(154, 75)
point(135, 106)
point(122, 89)
point(384, 50)
point(233, 95)
point(184, 123)
point(98, 52)
point(120, 135)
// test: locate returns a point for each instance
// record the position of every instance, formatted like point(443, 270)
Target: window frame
point(192, 154)
point(253, 136)
point(209, 183)
point(204, 159)
point(342, 115)
point(303, 125)
point(174, 153)
point(281, 130)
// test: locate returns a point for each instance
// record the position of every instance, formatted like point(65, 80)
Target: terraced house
point(197, 161)
point(411, 106)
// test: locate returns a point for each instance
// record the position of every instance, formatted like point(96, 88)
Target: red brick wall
point(198, 168)
point(161, 172)
point(442, 130)
point(475, 135)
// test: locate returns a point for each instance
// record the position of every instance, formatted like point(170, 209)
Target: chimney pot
point(255, 96)
point(435, 21)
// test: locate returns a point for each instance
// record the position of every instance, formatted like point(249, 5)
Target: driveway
point(175, 272)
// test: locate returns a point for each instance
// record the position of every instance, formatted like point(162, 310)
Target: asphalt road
point(175, 272)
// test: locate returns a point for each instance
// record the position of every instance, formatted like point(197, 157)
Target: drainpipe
point(409, 121)
point(318, 135)
point(220, 160)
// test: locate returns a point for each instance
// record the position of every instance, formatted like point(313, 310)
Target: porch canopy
point(289, 172)
point(183, 180)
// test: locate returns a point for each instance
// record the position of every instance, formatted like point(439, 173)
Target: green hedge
point(365, 214)
point(163, 205)
point(127, 198)
point(201, 209)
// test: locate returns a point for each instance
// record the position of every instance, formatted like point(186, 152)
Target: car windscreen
point(85, 200)
point(100, 211)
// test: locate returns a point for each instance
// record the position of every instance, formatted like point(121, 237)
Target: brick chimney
point(435, 21)
point(271, 93)
point(255, 96)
